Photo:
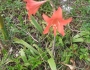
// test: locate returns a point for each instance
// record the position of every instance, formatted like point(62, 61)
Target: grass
point(25, 48)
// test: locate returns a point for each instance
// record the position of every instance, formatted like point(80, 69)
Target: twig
point(72, 67)
point(32, 37)
point(29, 35)
point(73, 30)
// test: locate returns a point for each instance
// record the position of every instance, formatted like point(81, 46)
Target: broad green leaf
point(20, 41)
point(36, 24)
point(52, 64)
point(83, 36)
point(23, 56)
point(76, 36)
point(78, 40)
point(80, 34)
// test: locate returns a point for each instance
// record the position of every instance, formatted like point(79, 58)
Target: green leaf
point(5, 33)
point(36, 25)
point(87, 40)
point(76, 36)
point(50, 53)
point(23, 56)
point(3, 29)
point(20, 41)
point(61, 42)
point(78, 40)
point(81, 56)
point(42, 54)
point(52, 64)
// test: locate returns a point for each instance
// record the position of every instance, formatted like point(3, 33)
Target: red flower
point(56, 21)
point(33, 6)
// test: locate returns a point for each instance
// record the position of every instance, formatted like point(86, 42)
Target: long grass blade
point(20, 41)
point(52, 64)
point(3, 29)
point(36, 24)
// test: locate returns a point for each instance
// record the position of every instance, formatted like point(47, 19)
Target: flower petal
point(64, 22)
point(33, 10)
point(61, 29)
point(57, 14)
point(46, 18)
point(46, 30)
point(56, 21)
point(33, 6)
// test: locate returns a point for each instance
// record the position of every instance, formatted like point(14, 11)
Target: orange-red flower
point(56, 21)
point(33, 6)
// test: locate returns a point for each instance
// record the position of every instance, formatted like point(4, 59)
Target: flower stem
point(53, 52)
